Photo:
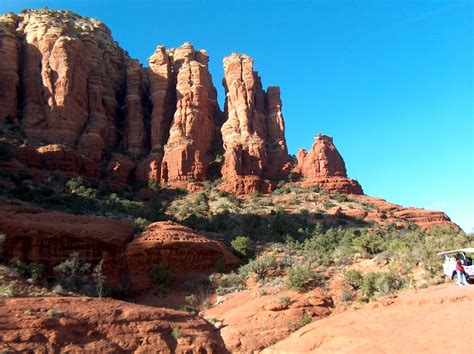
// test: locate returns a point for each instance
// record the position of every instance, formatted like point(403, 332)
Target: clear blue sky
point(391, 81)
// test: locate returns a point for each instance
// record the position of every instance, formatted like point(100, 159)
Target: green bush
point(230, 283)
point(301, 278)
point(354, 278)
point(241, 245)
point(27, 270)
point(260, 266)
point(388, 283)
point(162, 274)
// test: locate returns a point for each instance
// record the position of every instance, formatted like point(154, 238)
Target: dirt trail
point(439, 319)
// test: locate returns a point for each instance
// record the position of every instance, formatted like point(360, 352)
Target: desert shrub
point(72, 274)
point(99, 279)
point(369, 242)
point(304, 320)
point(290, 249)
point(162, 274)
point(285, 300)
point(7, 290)
point(301, 278)
point(369, 285)
point(259, 266)
point(241, 245)
point(346, 296)
point(140, 224)
point(388, 283)
point(230, 283)
point(354, 278)
point(340, 197)
point(31, 271)
point(187, 308)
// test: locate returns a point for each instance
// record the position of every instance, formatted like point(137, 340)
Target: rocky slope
point(414, 321)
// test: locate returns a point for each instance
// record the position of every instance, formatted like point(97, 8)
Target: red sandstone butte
point(323, 166)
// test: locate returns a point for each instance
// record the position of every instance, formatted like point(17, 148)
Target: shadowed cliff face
point(69, 88)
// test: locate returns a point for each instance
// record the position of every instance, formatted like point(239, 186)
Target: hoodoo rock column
point(253, 124)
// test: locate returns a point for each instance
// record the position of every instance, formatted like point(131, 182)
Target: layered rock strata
point(324, 167)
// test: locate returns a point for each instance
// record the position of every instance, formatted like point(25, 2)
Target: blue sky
point(391, 81)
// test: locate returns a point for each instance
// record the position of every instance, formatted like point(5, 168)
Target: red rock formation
point(179, 247)
point(323, 166)
point(187, 152)
point(91, 325)
point(119, 170)
point(40, 236)
point(72, 74)
point(389, 213)
point(136, 133)
point(244, 313)
point(56, 157)
point(278, 165)
point(9, 69)
point(253, 134)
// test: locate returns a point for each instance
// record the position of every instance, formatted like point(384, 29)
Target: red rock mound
point(40, 236)
point(58, 324)
point(416, 322)
point(324, 167)
point(179, 247)
point(251, 321)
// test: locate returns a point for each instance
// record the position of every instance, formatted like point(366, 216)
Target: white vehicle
point(466, 254)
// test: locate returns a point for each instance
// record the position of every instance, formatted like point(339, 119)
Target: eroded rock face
point(92, 325)
point(72, 75)
point(9, 70)
point(323, 166)
point(57, 157)
point(253, 134)
point(174, 245)
point(187, 152)
point(40, 236)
